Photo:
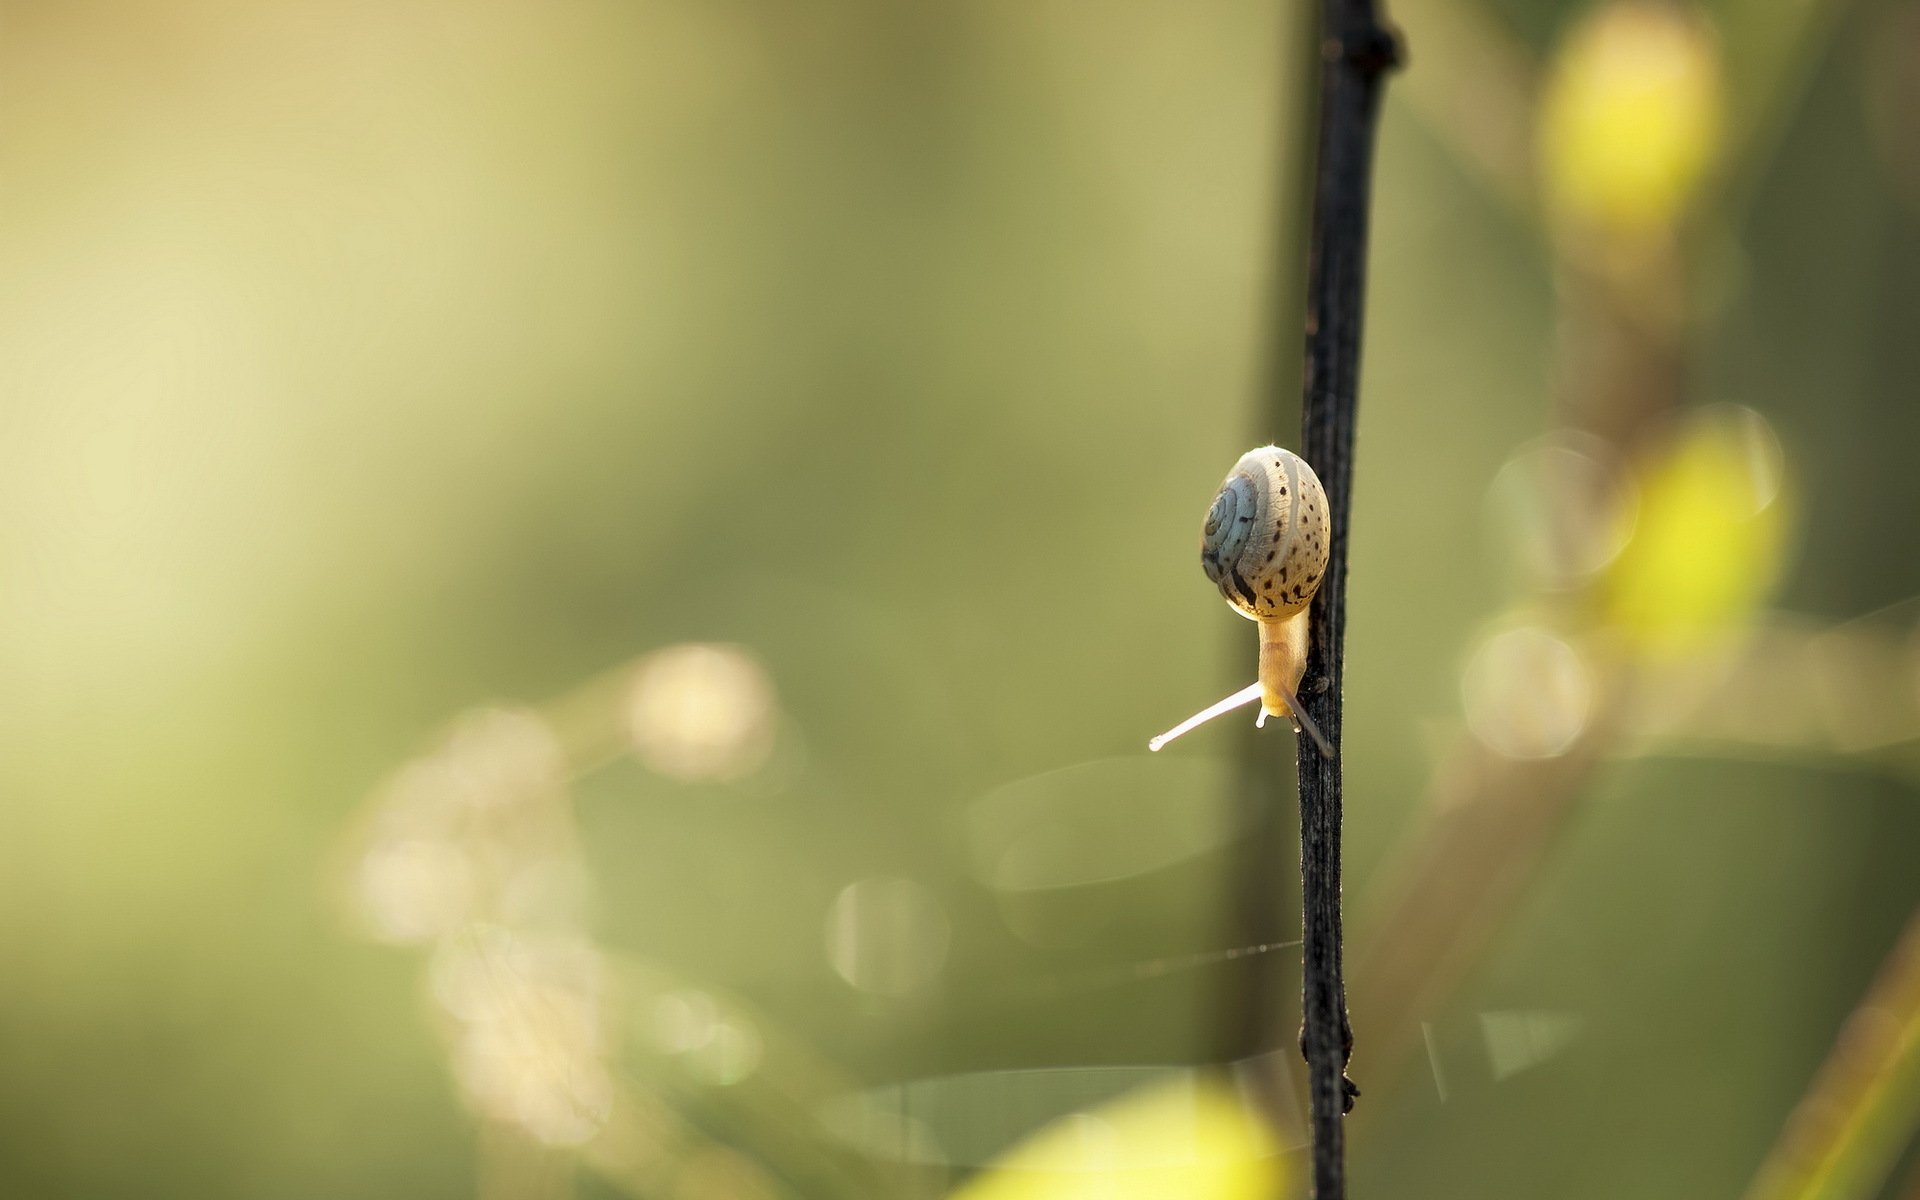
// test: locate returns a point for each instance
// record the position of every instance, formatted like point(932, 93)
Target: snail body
point(1265, 545)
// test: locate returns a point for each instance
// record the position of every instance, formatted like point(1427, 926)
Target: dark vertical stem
point(1356, 53)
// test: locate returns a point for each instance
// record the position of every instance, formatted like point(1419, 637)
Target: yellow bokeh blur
point(1629, 121)
point(1709, 536)
point(1192, 1138)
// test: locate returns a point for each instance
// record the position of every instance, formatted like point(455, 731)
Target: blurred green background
point(582, 587)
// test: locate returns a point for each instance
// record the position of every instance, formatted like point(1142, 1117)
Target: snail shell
point(1265, 543)
point(1265, 546)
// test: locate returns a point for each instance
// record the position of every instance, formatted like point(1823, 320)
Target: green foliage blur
point(583, 586)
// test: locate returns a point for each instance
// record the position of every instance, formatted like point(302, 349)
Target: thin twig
point(1356, 53)
point(1847, 1132)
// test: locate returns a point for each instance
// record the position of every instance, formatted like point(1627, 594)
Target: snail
point(1265, 545)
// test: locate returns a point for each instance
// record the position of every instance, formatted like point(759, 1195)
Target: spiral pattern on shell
point(1265, 543)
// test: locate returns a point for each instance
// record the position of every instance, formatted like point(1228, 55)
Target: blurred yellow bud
point(1628, 123)
point(1709, 538)
point(1192, 1138)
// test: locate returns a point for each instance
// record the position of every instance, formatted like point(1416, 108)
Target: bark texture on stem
point(1357, 51)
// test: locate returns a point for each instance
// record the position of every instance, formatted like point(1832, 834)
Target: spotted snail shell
point(1265, 541)
point(1265, 547)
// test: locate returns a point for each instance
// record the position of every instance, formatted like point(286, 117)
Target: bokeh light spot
point(1527, 693)
point(528, 1046)
point(684, 1020)
point(887, 936)
point(1095, 822)
point(415, 889)
point(702, 712)
point(1564, 508)
point(730, 1053)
